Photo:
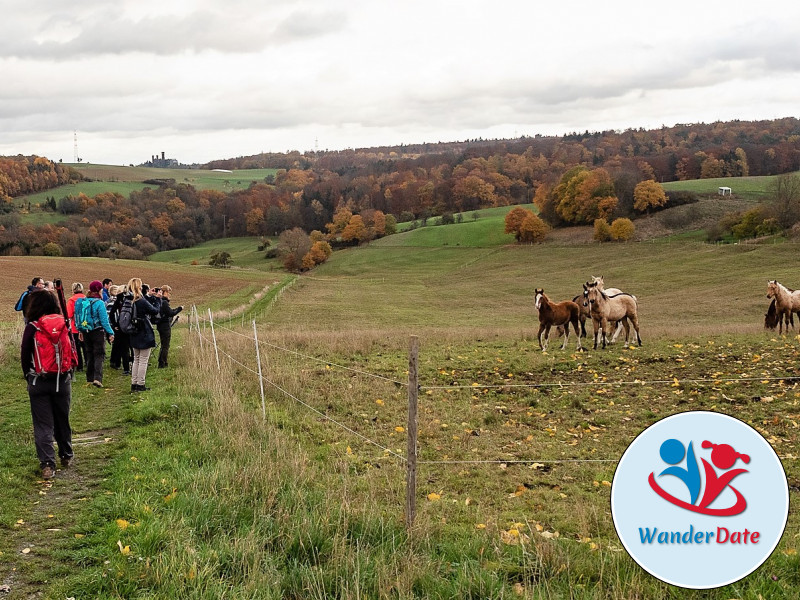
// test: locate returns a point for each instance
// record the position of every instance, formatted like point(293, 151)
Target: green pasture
point(750, 188)
point(244, 254)
point(201, 495)
point(486, 230)
point(201, 179)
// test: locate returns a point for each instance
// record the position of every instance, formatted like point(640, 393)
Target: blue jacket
point(98, 312)
point(147, 307)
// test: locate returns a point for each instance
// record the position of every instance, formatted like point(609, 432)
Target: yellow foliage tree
point(355, 231)
point(648, 194)
point(622, 230)
point(533, 229)
point(602, 230)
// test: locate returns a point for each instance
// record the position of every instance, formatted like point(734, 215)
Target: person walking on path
point(93, 332)
point(49, 376)
point(143, 340)
point(77, 292)
point(164, 325)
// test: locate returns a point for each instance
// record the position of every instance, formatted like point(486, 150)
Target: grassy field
point(211, 499)
point(750, 188)
point(200, 178)
point(486, 230)
point(244, 254)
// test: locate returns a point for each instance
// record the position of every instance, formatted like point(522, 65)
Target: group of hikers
point(63, 336)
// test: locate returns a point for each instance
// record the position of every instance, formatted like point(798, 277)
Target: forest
point(405, 182)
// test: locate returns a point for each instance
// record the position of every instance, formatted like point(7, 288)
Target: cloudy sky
point(208, 79)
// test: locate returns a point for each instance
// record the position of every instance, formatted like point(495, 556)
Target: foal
point(786, 302)
point(561, 313)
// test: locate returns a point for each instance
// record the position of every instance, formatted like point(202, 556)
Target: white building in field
point(724, 191)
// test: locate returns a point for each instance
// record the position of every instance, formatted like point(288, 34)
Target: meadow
point(202, 491)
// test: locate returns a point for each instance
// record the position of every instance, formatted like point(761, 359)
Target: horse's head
point(772, 288)
point(586, 288)
point(592, 294)
point(598, 281)
point(539, 294)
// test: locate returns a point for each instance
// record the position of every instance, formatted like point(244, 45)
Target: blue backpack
point(85, 320)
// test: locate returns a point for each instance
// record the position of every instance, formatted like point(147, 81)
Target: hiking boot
point(134, 388)
point(97, 383)
point(47, 472)
point(66, 462)
point(143, 388)
point(126, 372)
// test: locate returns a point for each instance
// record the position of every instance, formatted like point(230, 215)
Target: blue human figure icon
point(672, 453)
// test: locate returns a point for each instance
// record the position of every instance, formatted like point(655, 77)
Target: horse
point(771, 318)
point(611, 292)
point(584, 315)
point(787, 302)
point(605, 308)
point(560, 313)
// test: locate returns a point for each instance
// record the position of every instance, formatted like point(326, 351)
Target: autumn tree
point(320, 252)
point(355, 231)
point(514, 219)
point(784, 201)
point(583, 195)
point(532, 230)
point(622, 229)
point(293, 245)
point(647, 195)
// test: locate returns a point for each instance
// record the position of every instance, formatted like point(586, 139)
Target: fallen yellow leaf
point(122, 523)
point(125, 550)
point(433, 497)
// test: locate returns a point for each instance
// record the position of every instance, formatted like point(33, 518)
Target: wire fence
point(454, 386)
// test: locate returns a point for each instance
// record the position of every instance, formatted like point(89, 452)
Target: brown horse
point(772, 319)
point(561, 313)
point(787, 301)
point(605, 309)
point(584, 315)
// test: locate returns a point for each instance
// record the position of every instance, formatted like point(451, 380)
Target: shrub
point(602, 230)
point(533, 229)
point(622, 229)
point(52, 249)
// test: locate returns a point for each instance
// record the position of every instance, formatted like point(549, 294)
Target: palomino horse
point(560, 313)
point(605, 309)
point(611, 292)
point(787, 301)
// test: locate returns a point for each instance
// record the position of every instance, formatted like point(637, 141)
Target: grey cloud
point(104, 33)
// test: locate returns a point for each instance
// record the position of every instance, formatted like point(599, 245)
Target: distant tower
point(316, 144)
point(75, 145)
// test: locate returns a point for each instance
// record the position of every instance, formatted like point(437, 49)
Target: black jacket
point(166, 314)
point(146, 308)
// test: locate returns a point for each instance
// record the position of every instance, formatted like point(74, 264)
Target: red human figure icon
point(724, 457)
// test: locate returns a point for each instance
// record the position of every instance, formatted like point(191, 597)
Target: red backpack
point(53, 352)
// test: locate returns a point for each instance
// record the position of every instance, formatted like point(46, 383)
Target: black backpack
point(128, 321)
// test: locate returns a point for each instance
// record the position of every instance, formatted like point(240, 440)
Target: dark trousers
point(50, 412)
point(121, 351)
point(95, 346)
point(165, 335)
point(79, 350)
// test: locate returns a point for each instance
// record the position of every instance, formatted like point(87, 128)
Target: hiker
point(37, 283)
point(50, 286)
point(143, 340)
point(91, 320)
point(77, 292)
point(121, 354)
point(164, 325)
point(106, 285)
point(47, 359)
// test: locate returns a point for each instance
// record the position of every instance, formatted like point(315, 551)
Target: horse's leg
point(624, 323)
point(617, 330)
point(635, 320)
point(603, 328)
point(547, 336)
point(596, 326)
point(539, 335)
point(576, 325)
point(566, 335)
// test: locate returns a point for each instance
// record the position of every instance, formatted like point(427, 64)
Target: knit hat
point(95, 286)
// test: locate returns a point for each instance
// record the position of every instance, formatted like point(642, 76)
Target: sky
point(210, 79)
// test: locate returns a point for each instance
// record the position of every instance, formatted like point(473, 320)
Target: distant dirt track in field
point(191, 285)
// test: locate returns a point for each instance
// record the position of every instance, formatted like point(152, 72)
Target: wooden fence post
point(260, 378)
point(214, 337)
point(411, 452)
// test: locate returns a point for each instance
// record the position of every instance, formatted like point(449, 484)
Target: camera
point(156, 290)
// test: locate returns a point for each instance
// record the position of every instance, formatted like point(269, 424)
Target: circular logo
point(699, 500)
